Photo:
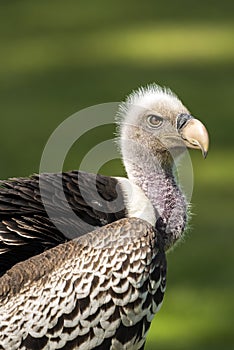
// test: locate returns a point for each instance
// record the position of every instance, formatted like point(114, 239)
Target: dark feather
point(25, 227)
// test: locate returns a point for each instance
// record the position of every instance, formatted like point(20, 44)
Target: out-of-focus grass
point(193, 319)
point(59, 57)
point(152, 44)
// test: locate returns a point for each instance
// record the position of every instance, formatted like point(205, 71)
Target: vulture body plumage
point(96, 281)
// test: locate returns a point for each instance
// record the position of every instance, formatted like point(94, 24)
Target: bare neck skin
point(159, 185)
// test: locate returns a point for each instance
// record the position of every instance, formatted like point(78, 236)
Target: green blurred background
point(58, 57)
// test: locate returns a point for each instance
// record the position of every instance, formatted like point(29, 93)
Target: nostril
point(182, 119)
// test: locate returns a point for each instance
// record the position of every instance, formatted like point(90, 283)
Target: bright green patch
point(191, 318)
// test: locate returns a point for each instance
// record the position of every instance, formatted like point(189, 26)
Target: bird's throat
point(160, 186)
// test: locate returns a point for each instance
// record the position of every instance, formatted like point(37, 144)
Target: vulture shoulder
point(99, 291)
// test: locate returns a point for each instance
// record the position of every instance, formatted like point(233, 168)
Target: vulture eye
point(154, 120)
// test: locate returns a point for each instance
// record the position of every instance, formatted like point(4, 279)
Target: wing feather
point(25, 227)
point(95, 291)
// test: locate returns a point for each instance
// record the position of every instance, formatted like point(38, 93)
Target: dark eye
point(154, 120)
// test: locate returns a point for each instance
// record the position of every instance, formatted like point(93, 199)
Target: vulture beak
point(193, 132)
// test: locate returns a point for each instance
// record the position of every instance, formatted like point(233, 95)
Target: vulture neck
point(159, 184)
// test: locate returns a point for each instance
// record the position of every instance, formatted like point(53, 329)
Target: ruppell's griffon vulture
point(97, 282)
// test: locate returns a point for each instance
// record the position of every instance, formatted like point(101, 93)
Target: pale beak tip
point(204, 153)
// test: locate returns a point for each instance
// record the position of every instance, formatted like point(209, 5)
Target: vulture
point(84, 266)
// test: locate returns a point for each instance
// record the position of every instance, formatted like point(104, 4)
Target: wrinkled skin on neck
point(156, 178)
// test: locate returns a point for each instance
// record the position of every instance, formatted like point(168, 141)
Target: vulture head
point(154, 121)
point(155, 128)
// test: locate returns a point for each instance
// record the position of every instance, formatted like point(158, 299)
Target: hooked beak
point(194, 133)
